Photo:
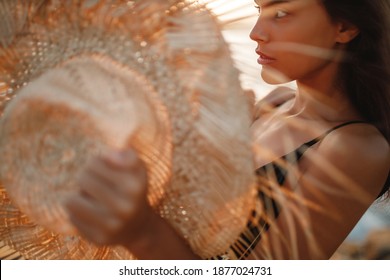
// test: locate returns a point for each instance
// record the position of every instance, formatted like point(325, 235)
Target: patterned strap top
point(267, 209)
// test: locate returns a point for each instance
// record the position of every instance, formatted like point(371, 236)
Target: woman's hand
point(111, 207)
point(272, 100)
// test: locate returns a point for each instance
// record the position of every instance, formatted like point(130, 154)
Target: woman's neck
point(319, 97)
point(323, 103)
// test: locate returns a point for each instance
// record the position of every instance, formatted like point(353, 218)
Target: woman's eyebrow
point(267, 4)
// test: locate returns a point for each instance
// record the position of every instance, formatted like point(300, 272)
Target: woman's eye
point(280, 14)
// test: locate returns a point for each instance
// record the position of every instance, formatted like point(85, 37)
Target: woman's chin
point(273, 77)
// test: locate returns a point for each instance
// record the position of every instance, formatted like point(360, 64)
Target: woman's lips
point(264, 59)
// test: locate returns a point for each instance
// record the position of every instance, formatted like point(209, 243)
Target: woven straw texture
point(81, 76)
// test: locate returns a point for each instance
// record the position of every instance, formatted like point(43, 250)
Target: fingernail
point(121, 157)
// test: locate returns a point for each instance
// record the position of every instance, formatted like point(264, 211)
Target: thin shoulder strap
point(303, 148)
point(319, 138)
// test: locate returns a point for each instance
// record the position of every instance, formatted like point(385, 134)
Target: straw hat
point(81, 76)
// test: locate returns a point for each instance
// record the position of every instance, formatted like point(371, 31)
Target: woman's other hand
point(272, 100)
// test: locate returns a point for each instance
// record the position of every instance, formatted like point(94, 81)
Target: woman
point(322, 157)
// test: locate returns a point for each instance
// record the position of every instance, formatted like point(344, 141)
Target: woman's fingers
point(124, 160)
point(273, 99)
point(117, 176)
point(92, 220)
point(112, 200)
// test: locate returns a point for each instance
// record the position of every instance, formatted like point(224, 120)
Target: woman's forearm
point(160, 241)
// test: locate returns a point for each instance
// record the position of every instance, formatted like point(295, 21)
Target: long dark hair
point(365, 74)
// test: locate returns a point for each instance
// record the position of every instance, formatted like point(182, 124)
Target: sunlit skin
point(334, 188)
point(283, 32)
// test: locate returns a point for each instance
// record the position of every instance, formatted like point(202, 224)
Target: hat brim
point(178, 48)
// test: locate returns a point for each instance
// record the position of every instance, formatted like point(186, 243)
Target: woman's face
point(295, 39)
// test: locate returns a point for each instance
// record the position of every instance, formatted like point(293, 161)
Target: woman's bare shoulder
point(358, 141)
point(341, 178)
point(359, 152)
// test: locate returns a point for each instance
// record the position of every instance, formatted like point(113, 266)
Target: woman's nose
point(258, 33)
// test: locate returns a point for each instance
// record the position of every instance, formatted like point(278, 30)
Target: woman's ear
point(346, 32)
